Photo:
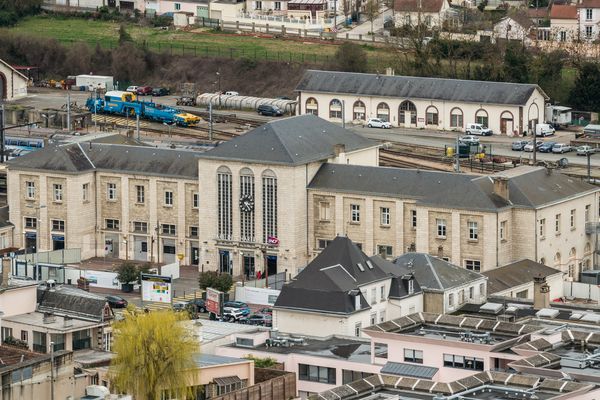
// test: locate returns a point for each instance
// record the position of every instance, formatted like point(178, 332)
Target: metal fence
point(64, 256)
point(275, 282)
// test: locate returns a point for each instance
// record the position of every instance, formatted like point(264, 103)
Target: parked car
point(199, 304)
point(116, 301)
point(238, 305)
point(529, 146)
point(233, 314)
point(260, 319)
point(478, 129)
point(469, 139)
point(266, 109)
point(544, 130)
point(180, 306)
point(132, 89)
point(546, 147)
point(519, 145)
point(378, 123)
point(144, 90)
point(160, 91)
point(231, 93)
point(266, 310)
point(585, 150)
point(561, 148)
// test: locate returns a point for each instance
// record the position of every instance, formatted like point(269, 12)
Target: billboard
point(214, 301)
point(156, 288)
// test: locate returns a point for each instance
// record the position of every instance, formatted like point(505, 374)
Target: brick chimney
point(501, 187)
point(541, 293)
point(339, 149)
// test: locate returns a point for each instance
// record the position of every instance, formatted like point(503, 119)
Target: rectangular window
point(503, 230)
point(140, 194)
point(542, 228)
point(140, 227)
point(471, 293)
point(6, 333)
point(382, 293)
point(413, 214)
point(471, 363)
point(315, 373)
point(373, 318)
point(413, 356)
point(177, 6)
point(473, 265)
point(224, 206)
point(380, 350)
point(258, 5)
point(357, 328)
point(451, 299)
point(58, 193)
point(58, 225)
point(557, 224)
point(572, 219)
point(111, 193)
point(563, 36)
point(277, 5)
point(193, 231)
point(382, 316)
point(411, 286)
point(431, 118)
point(168, 198)
point(482, 289)
point(373, 295)
point(322, 243)
point(353, 376)
point(85, 189)
point(324, 211)
point(384, 213)
point(587, 212)
point(168, 229)
point(25, 336)
point(441, 228)
point(354, 213)
point(473, 230)
point(461, 296)
point(30, 223)
point(168, 249)
point(385, 251)
point(112, 224)
point(195, 200)
point(588, 32)
point(482, 119)
point(589, 13)
point(456, 120)
point(30, 190)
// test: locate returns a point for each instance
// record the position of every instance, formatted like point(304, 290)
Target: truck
point(93, 82)
point(558, 115)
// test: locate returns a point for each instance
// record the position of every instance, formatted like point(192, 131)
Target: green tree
point(585, 94)
point(127, 273)
point(154, 356)
point(350, 57)
point(124, 36)
point(371, 11)
point(266, 362)
point(211, 279)
point(546, 70)
point(516, 60)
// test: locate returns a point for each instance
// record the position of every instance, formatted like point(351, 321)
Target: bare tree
point(372, 10)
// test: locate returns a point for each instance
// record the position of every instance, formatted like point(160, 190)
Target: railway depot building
point(415, 102)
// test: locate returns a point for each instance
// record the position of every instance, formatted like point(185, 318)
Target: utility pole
point(457, 154)
point(210, 120)
point(51, 370)
point(534, 144)
point(344, 114)
point(69, 111)
point(137, 125)
point(2, 145)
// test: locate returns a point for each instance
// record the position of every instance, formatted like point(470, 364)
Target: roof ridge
point(275, 132)
point(433, 271)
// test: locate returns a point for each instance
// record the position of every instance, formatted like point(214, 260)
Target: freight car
point(127, 104)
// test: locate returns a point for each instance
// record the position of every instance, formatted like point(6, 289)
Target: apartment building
point(479, 223)
point(589, 19)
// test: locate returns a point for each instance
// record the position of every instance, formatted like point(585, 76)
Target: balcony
point(39, 348)
point(592, 228)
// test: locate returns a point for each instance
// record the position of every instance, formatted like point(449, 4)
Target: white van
point(231, 93)
point(544, 130)
point(478, 129)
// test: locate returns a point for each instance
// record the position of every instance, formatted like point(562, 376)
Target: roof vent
point(547, 313)
point(48, 318)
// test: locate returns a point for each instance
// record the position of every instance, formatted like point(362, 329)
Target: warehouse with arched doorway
point(13, 84)
point(414, 102)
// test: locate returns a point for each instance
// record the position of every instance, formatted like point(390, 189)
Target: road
point(365, 27)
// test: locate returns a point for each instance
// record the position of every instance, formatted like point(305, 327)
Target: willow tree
point(153, 356)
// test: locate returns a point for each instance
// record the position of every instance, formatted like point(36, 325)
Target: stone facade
point(13, 84)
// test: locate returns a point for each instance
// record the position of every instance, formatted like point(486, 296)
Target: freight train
point(127, 104)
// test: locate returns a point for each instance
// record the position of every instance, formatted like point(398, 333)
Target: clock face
point(246, 203)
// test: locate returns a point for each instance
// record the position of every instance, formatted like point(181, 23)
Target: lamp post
point(51, 370)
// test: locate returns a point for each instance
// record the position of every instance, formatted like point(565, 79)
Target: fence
point(275, 282)
point(582, 291)
point(254, 295)
point(272, 385)
point(64, 256)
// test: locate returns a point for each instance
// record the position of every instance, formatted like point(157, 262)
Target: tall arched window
point(431, 116)
point(407, 112)
point(312, 107)
point(383, 112)
point(456, 118)
point(557, 260)
point(335, 109)
point(269, 187)
point(246, 205)
point(224, 203)
point(359, 111)
point(481, 117)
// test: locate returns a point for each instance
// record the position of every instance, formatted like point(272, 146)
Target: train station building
point(415, 102)
point(13, 84)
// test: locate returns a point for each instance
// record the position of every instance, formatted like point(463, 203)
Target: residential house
point(515, 27)
point(589, 19)
point(430, 13)
point(446, 287)
point(343, 290)
point(268, 7)
point(564, 25)
point(13, 84)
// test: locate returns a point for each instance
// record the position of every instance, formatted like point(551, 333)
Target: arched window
point(359, 111)
point(481, 117)
point(431, 116)
point(456, 118)
point(224, 203)
point(587, 249)
point(247, 205)
point(407, 112)
point(383, 112)
point(312, 107)
point(335, 109)
point(506, 123)
point(269, 187)
point(572, 252)
point(557, 259)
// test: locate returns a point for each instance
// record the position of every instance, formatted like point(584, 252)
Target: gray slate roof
point(295, 140)
point(436, 274)
point(72, 302)
point(325, 283)
point(412, 370)
point(516, 274)
point(76, 158)
point(410, 87)
point(529, 187)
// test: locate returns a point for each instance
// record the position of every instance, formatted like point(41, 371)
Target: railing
point(64, 256)
point(79, 344)
point(40, 348)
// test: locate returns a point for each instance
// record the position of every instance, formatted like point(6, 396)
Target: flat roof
point(36, 318)
point(213, 330)
point(210, 360)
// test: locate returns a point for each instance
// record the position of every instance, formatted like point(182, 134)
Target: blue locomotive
point(127, 104)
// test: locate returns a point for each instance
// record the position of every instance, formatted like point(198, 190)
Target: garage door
point(215, 14)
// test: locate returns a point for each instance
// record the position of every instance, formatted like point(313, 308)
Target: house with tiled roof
point(415, 12)
point(589, 19)
point(564, 22)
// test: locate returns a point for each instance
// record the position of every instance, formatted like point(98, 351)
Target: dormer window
point(411, 286)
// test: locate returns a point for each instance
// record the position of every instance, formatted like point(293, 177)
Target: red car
point(144, 90)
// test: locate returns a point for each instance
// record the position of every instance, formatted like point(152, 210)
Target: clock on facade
point(246, 203)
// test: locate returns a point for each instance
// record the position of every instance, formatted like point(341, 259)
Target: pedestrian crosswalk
point(155, 306)
point(121, 121)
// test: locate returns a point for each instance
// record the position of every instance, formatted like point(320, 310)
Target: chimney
point(440, 252)
point(339, 149)
point(49, 318)
point(501, 187)
point(389, 71)
point(6, 265)
point(68, 322)
point(541, 293)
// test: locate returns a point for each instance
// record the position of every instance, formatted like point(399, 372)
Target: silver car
point(378, 123)
point(469, 139)
point(585, 150)
point(561, 148)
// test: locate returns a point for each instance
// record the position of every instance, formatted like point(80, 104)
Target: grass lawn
point(205, 43)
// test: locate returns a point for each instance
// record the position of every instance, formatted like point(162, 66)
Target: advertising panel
point(214, 301)
point(156, 288)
